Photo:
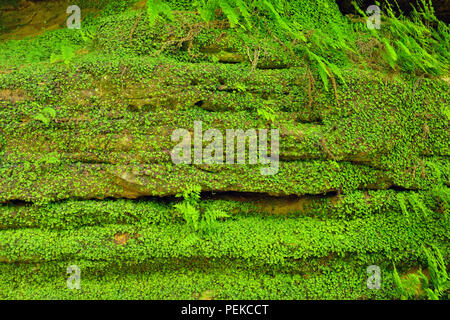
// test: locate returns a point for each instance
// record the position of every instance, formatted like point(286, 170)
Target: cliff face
point(441, 7)
point(87, 178)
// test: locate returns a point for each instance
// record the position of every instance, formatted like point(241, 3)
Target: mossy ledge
point(363, 178)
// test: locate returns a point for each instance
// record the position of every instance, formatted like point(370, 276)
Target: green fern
point(267, 113)
point(411, 285)
point(413, 45)
point(157, 9)
point(439, 279)
point(45, 116)
point(209, 222)
point(190, 212)
point(66, 55)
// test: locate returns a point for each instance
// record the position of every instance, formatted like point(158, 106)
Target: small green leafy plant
point(416, 285)
point(439, 281)
point(418, 44)
point(87, 35)
point(157, 9)
point(188, 207)
point(66, 56)
point(205, 223)
point(267, 113)
point(409, 287)
point(45, 116)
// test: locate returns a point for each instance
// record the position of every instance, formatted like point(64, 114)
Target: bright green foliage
point(189, 210)
point(267, 113)
point(363, 179)
point(46, 115)
point(418, 44)
point(414, 285)
point(439, 280)
point(190, 214)
point(156, 8)
point(409, 286)
point(67, 54)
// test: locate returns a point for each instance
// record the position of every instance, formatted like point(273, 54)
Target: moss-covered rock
point(87, 178)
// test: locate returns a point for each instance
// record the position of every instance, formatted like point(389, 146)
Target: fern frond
point(156, 9)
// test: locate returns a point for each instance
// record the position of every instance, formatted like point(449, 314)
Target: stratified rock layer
point(87, 178)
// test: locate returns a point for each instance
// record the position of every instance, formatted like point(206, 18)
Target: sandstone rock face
point(88, 178)
point(27, 18)
point(89, 150)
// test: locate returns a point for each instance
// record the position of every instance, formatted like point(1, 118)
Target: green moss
point(365, 163)
point(165, 281)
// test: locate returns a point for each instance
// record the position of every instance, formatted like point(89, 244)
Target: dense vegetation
point(86, 177)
